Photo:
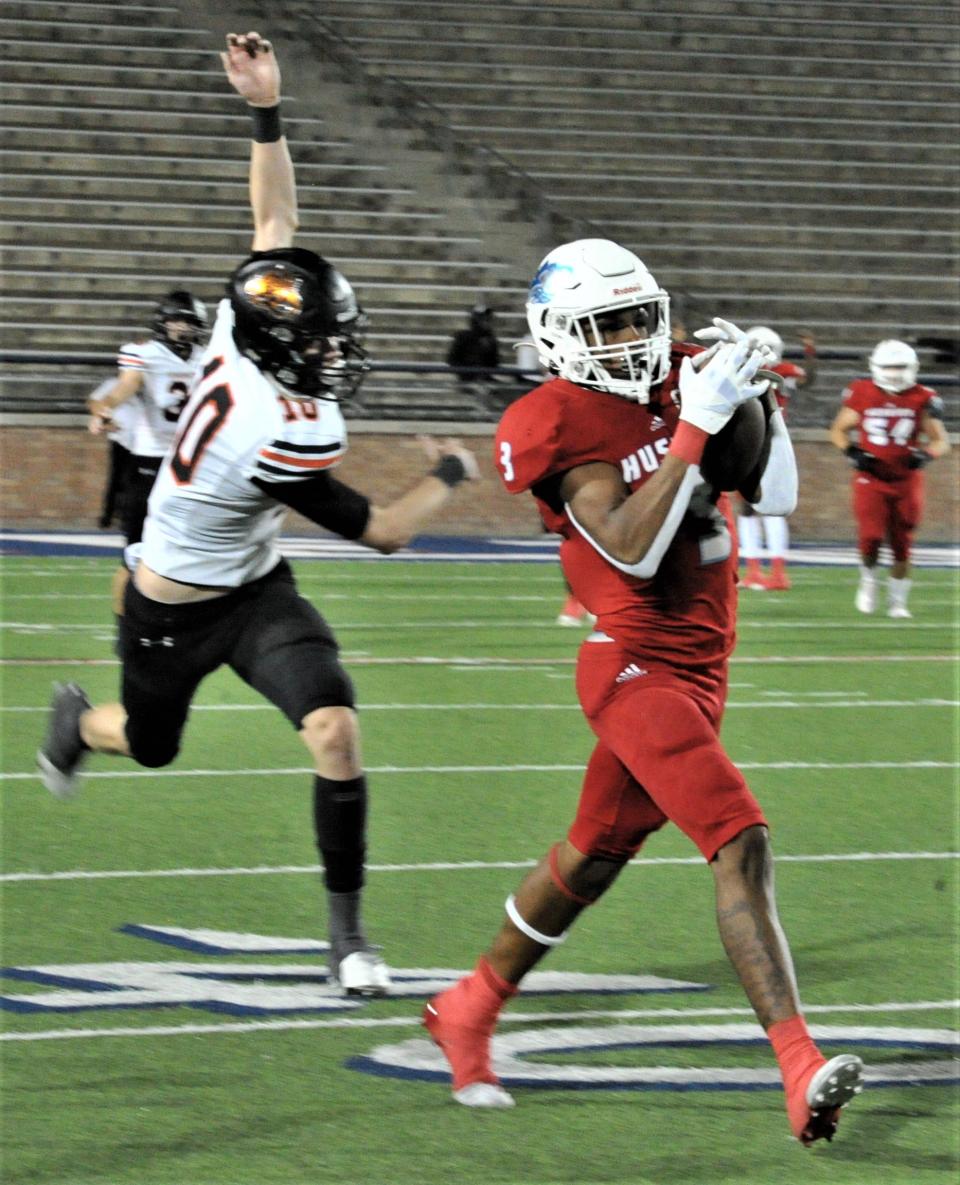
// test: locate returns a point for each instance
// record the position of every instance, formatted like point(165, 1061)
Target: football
point(733, 452)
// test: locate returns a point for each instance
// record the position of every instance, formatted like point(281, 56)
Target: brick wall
point(54, 477)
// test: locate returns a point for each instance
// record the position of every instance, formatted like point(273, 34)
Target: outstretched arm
point(251, 66)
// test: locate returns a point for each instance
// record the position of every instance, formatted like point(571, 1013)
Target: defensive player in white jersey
point(155, 378)
point(260, 433)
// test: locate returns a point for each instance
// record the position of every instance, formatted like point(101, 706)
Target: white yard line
point(509, 1017)
point(427, 660)
point(442, 866)
point(771, 705)
point(99, 775)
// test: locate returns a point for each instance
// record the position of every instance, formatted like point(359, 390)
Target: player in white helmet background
point(766, 537)
point(889, 427)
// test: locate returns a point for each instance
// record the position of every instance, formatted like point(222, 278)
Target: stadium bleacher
point(799, 170)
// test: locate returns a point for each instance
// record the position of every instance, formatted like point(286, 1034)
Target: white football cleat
point(899, 611)
point(836, 1082)
point(483, 1094)
point(363, 973)
point(866, 599)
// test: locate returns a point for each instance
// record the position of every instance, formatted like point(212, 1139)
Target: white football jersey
point(207, 522)
point(167, 381)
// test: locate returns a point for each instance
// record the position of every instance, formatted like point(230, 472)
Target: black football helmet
point(292, 310)
point(180, 305)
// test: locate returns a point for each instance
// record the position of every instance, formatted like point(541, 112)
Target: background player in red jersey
point(757, 533)
point(890, 413)
point(610, 450)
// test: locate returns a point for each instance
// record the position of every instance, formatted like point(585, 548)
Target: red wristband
point(688, 443)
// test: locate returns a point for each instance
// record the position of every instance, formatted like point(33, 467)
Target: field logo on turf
point(260, 982)
point(519, 1057)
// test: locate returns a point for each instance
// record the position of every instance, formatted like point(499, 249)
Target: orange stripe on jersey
point(300, 462)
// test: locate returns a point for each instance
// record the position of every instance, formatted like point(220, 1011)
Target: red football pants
point(887, 510)
point(658, 757)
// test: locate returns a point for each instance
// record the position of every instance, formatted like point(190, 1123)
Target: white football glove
point(726, 332)
point(715, 383)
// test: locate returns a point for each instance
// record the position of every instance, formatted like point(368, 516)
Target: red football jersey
point(685, 614)
point(793, 375)
point(889, 424)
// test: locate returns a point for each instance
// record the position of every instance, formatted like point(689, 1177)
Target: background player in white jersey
point(118, 429)
point(155, 378)
point(755, 529)
point(260, 433)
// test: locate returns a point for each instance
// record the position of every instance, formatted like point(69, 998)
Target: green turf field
point(190, 1050)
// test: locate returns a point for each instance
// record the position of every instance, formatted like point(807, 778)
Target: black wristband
point(450, 469)
point(267, 127)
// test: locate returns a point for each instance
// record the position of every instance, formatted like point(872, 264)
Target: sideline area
point(425, 547)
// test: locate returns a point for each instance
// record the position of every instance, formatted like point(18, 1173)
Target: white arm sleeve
point(647, 567)
point(779, 483)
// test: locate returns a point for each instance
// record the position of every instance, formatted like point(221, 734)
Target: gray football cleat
point(63, 751)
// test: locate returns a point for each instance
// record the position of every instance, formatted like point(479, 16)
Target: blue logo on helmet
point(547, 281)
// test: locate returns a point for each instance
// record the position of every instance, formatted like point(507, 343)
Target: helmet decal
point(296, 318)
point(546, 283)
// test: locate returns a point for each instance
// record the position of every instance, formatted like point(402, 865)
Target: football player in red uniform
point(899, 430)
point(756, 530)
point(610, 449)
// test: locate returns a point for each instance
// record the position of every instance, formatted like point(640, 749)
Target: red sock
point(488, 990)
point(799, 1058)
point(778, 566)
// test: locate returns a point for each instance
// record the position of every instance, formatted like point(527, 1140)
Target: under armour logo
point(656, 422)
point(156, 641)
point(630, 672)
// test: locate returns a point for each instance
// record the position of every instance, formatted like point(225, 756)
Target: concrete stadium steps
point(135, 26)
point(171, 99)
point(86, 12)
point(131, 258)
point(674, 43)
point(504, 128)
point(119, 147)
point(181, 189)
point(113, 166)
point(232, 126)
point(890, 23)
point(807, 80)
point(574, 105)
point(747, 180)
point(754, 207)
point(637, 50)
point(314, 220)
point(53, 233)
point(664, 151)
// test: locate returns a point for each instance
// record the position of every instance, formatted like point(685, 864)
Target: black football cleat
point(63, 750)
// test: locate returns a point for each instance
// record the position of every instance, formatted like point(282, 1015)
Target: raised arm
point(251, 66)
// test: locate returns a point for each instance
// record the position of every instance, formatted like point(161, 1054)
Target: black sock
point(340, 822)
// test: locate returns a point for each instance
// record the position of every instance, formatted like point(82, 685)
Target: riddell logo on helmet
point(627, 291)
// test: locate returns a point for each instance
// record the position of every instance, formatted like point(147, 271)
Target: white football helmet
point(768, 340)
point(893, 366)
point(575, 286)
